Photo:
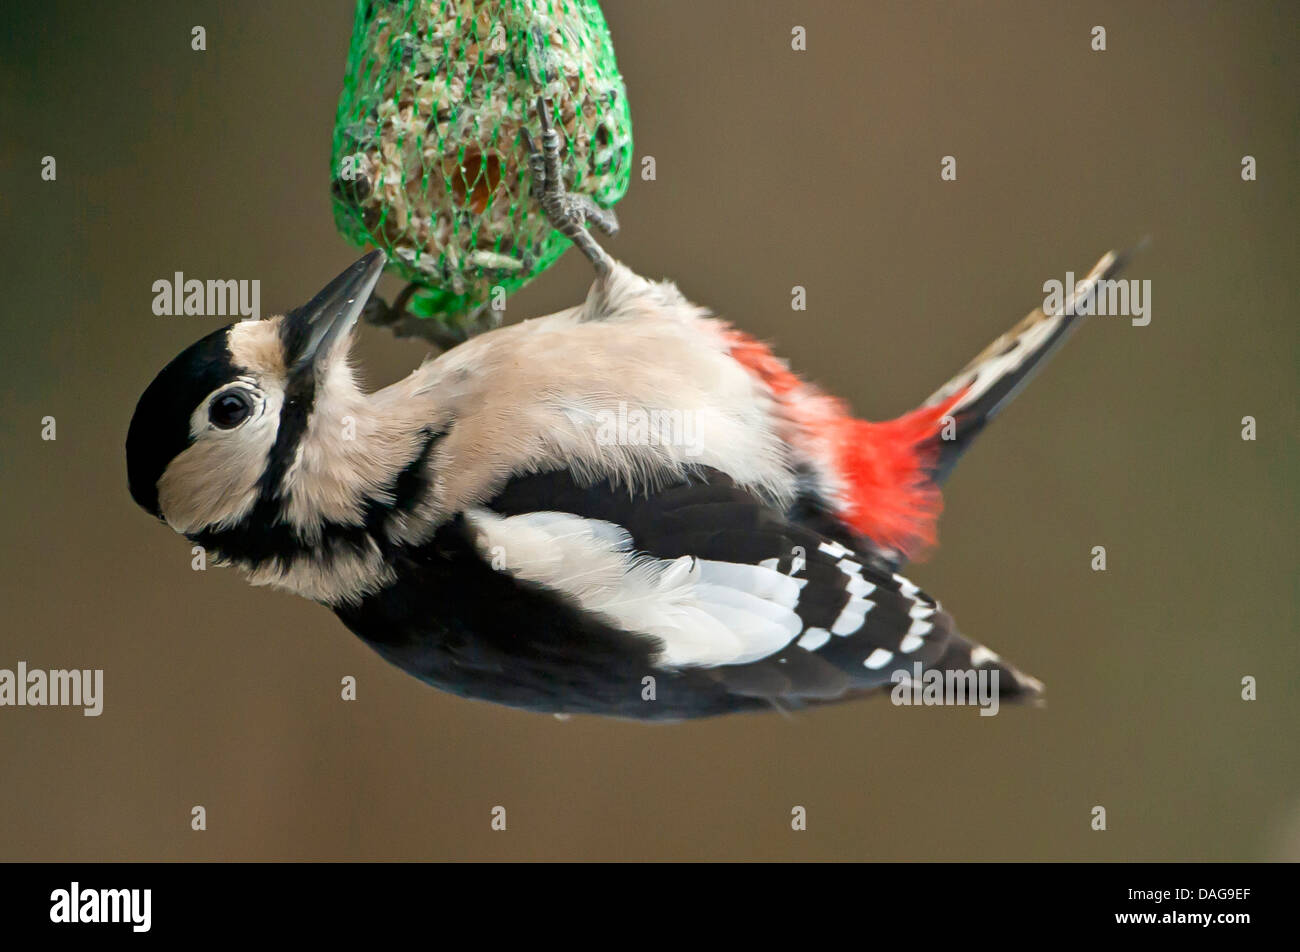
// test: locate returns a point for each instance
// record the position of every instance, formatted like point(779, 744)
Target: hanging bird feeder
point(430, 160)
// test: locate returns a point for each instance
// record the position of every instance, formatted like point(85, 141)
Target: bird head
point(223, 423)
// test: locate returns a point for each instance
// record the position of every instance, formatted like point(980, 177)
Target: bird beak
point(311, 332)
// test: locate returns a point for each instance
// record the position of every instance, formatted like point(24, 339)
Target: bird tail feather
point(979, 391)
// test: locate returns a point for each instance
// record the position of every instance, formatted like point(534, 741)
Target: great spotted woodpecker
point(508, 523)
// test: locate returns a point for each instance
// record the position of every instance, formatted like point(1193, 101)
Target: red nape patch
point(881, 467)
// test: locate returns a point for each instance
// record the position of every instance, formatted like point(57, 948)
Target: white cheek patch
point(213, 482)
point(703, 612)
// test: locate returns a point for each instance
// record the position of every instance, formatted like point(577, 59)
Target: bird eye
point(230, 409)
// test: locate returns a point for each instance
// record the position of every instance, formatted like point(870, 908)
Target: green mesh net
point(429, 162)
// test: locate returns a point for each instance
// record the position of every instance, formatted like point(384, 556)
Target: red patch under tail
point(881, 469)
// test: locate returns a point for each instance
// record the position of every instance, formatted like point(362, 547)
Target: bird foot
point(568, 213)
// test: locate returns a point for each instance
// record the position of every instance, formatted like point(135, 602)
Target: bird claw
point(567, 212)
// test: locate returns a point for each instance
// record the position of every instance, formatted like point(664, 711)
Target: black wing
point(859, 622)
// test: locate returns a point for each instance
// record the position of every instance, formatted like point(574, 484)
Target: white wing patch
point(703, 612)
point(878, 659)
point(814, 638)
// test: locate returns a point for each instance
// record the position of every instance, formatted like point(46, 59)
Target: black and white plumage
point(733, 607)
point(478, 525)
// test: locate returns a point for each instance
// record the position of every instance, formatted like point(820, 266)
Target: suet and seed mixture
point(429, 161)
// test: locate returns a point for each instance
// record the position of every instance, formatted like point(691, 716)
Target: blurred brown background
point(775, 168)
